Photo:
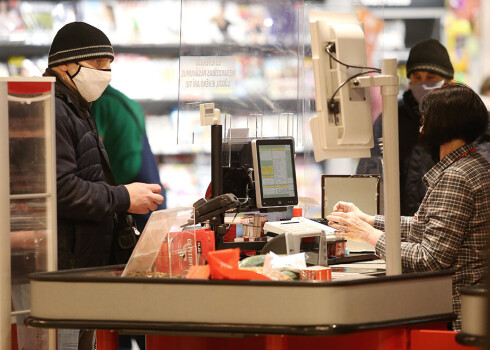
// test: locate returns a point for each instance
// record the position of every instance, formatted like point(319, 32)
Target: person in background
point(483, 142)
point(428, 67)
point(450, 230)
point(80, 58)
point(485, 88)
point(121, 125)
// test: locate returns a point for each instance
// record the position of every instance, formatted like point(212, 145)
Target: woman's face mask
point(90, 82)
point(420, 89)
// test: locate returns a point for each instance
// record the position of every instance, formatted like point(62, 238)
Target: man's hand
point(143, 197)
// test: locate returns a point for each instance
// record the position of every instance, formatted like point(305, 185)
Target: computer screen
point(274, 172)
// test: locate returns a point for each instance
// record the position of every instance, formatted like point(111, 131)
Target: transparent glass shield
point(308, 171)
point(166, 247)
point(244, 58)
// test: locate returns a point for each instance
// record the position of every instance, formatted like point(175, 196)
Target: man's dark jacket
point(414, 160)
point(483, 144)
point(86, 202)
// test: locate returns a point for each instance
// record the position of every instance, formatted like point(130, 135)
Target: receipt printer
point(297, 235)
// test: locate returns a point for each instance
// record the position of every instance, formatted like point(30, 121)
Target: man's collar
point(67, 90)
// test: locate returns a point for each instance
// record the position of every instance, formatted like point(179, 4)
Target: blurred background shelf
point(269, 41)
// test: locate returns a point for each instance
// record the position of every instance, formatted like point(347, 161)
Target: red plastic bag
point(223, 264)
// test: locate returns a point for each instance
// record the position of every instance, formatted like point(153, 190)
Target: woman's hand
point(347, 207)
point(353, 223)
point(350, 226)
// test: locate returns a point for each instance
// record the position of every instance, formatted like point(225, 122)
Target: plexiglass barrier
point(244, 59)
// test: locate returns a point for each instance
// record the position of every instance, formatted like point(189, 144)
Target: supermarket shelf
point(9, 49)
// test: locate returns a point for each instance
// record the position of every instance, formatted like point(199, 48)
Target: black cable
point(246, 199)
point(231, 224)
point(349, 79)
point(238, 209)
point(327, 50)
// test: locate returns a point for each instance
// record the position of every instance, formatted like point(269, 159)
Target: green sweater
point(121, 124)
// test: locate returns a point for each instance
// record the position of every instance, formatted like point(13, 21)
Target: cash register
point(260, 175)
point(300, 234)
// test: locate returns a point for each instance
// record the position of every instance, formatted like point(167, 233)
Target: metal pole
point(52, 234)
point(5, 279)
point(391, 171)
point(217, 180)
point(216, 160)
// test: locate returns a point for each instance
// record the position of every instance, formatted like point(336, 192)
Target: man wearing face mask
point(80, 58)
point(428, 67)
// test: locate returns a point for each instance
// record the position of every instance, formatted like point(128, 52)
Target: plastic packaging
point(166, 247)
point(223, 264)
point(297, 212)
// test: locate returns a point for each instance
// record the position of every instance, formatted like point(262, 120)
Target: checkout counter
point(373, 308)
point(361, 304)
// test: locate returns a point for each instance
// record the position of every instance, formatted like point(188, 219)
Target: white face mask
point(420, 89)
point(91, 83)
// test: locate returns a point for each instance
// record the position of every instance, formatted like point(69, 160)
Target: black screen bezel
point(277, 201)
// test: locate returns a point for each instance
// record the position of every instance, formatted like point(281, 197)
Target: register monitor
point(274, 172)
point(343, 126)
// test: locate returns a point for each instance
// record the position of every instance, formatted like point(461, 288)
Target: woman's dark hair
point(451, 112)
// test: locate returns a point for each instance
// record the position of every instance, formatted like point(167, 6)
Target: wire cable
point(232, 221)
point(349, 79)
point(327, 50)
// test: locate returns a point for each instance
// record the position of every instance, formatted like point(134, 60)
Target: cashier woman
point(450, 230)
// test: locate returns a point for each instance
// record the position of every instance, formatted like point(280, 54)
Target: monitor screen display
point(274, 172)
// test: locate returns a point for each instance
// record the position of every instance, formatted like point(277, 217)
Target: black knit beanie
point(79, 41)
point(430, 56)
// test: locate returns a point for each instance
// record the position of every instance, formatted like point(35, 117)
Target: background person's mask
point(90, 82)
point(420, 89)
